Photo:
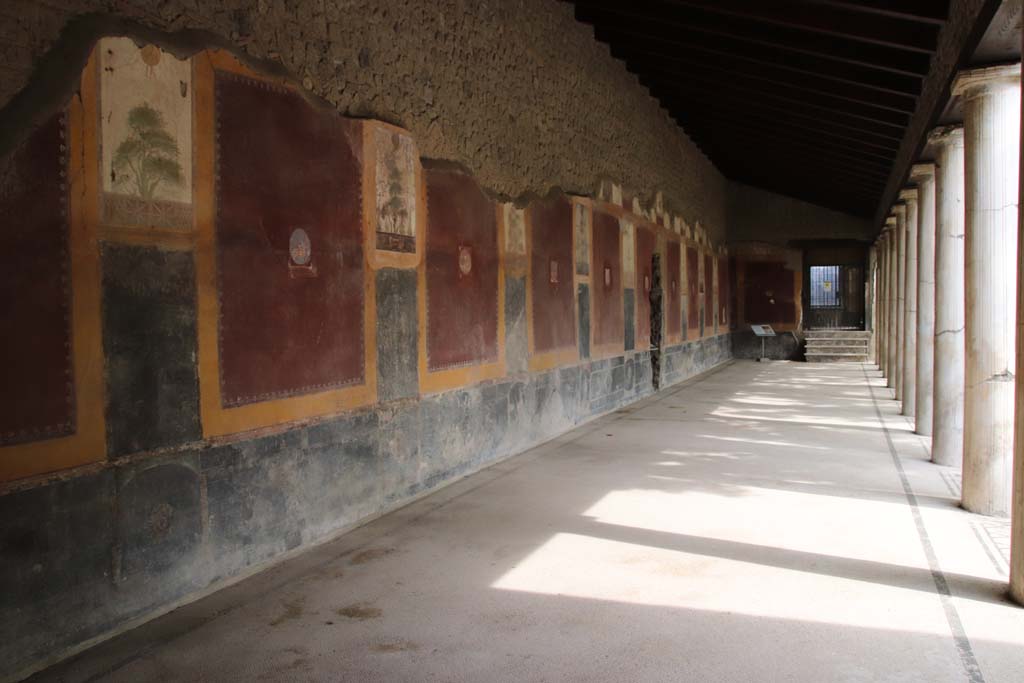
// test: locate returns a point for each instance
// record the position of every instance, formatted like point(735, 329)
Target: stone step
point(838, 348)
point(838, 341)
point(832, 334)
point(836, 357)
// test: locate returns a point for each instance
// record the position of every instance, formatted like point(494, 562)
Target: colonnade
point(948, 318)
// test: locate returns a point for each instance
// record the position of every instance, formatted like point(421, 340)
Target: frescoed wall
point(645, 247)
point(708, 283)
point(693, 293)
point(606, 269)
point(552, 282)
point(259, 322)
point(672, 284)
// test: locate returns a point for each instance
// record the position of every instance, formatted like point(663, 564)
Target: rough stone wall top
point(516, 90)
point(758, 216)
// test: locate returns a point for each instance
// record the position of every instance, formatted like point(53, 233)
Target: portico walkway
point(761, 522)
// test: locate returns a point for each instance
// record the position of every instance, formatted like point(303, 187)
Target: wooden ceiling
point(807, 98)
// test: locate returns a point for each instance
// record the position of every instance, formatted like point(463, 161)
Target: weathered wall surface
point(222, 412)
point(758, 216)
point(516, 91)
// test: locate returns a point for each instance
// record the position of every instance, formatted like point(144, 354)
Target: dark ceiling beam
point(882, 163)
point(836, 22)
point(697, 45)
point(857, 204)
point(640, 15)
point(707, 117)
point(894, 121)
point(925, 11)
point(694, 121)
point(903, 104)
point(772, 111)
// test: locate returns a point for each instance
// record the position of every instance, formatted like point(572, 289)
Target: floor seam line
point(956, 627)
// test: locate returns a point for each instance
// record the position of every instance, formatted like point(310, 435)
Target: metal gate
point(836, 298)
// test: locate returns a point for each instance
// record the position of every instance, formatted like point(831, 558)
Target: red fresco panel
point(554, 309)
point(645, 245)
point(606, 278)
point(673, 289)
point(289, 244)
point(768, 293)
point(461, 272)
point(723, 292)
point(692, 289)
point(709, 294)
point(37, 401)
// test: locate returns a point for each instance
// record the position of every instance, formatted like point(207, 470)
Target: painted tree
point(148, 156)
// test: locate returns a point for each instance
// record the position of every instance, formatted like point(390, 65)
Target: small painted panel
point(462, 268)
point(289, 247)
point(396, 190)
point(146, 136)
point(768, 293)
point(37, 401)
point(693, 291)
point(581, 223)
point(646, 242)
point(551, 262)
point(673, 289)
point(723, 291)
point(708, 287)
point(628, 254)
point(606, 265)
point(515, 230)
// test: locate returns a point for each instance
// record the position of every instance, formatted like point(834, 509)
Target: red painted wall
point(553, 302)
point(37, 401)
point(723, 293)
point(645, 246)
point(673, 288)
point(768, 293)
point(693, 289)
point(286, 327)
point(606, 294)
point(462, 303)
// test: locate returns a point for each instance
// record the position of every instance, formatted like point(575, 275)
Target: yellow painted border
point(378, 258)
point(217, 420)
point(89, 442)
point(556, 357)
point(432, 382)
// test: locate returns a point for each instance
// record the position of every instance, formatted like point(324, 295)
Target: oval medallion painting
point(299, 247)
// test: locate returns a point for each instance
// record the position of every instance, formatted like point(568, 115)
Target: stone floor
point(752, 524)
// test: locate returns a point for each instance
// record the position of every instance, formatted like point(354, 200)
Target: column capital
point(978, 82)
point(922, 171)
point(908, 194)
point(900, 209)
point(952, 136)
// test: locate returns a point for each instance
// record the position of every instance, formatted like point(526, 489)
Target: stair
point(832, 346)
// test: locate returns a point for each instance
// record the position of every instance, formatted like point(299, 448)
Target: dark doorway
point(836, 297)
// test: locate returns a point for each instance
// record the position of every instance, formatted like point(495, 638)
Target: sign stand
point(763, 331)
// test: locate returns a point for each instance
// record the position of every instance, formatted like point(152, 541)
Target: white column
point(900, 293)
point(909, 407)
point(991, 98)
point(948, 399)
point(881, 306)
point(890, 295)
point(924, 176)
point(1017, 514)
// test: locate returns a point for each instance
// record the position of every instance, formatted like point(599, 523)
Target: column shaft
point(925, 177)
point(901, 286)
point(910, 307)
point(893, 333)
point(948, 398)
point(991, 153)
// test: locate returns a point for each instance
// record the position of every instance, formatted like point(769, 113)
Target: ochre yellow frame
point(443, 380)
point(601, 351)
point(566, 355)
point(217, 420)
point(89, 442)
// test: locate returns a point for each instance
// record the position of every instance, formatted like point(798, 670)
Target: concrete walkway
point(749, 525)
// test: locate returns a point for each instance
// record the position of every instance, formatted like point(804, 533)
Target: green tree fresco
point(148, 156)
